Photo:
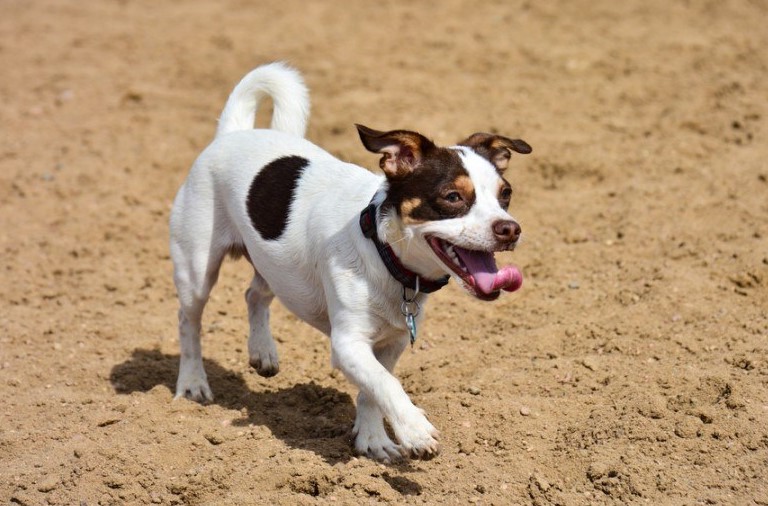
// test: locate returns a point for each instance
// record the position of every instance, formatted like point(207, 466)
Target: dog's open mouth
point(477, 269)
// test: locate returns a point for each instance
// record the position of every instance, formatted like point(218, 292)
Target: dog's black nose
point(506, 231)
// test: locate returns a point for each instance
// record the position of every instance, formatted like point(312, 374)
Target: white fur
point(284, 85)
point(322, 267)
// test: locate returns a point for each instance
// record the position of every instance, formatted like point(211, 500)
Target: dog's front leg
point(370, 434)
point(382, 394)
point(371, 437)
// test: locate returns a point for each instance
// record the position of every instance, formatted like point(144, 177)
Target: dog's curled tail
point(289, 96)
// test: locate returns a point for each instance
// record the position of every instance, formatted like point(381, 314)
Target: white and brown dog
point(349, 252)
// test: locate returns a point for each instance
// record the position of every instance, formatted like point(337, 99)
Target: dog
point(352, 253)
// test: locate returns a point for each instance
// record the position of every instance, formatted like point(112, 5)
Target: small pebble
point(467, 446)
point(541, 482)
point(473, 390)
point(48, 484)
point(214, 439)
point(525, 410)
point(65, 96)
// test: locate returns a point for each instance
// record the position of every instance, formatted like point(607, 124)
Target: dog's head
point(445, 209)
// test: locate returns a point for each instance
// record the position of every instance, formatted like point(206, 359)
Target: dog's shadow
point(305, 416)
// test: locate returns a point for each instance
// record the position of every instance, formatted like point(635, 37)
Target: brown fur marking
point(406, 208)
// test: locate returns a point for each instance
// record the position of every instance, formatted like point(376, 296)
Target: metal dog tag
point(411, 314)
point(410, 321)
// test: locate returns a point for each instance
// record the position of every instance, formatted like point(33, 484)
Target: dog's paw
point(377, 445)
point(194, 387)
point(262, 354)
point(418, 438)
point(267, 365)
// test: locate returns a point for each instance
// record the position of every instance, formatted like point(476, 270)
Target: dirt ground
point(631, 368)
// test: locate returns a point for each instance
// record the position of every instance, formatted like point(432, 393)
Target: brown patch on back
point(271, 195)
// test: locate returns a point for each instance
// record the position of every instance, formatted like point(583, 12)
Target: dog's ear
point(495, 148)
point(402, 149)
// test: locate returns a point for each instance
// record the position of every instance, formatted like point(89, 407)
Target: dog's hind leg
point(193, 289)
point(193, 293)
point(196, 262)
point(262, 351)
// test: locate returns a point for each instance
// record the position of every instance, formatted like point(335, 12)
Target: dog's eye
point(506, 193)
point(453, 197)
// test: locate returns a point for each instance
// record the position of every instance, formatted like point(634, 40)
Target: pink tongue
point(488, 278)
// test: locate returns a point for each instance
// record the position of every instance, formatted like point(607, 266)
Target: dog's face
point(452, 203)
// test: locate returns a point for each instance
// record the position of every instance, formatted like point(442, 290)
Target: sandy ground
point(631, 368)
